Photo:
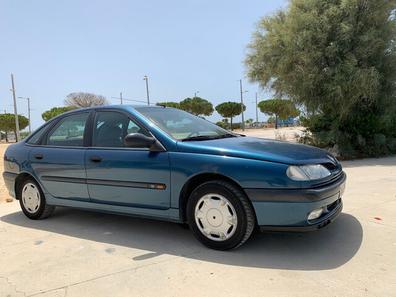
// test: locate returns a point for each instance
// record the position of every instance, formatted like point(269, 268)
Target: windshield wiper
point(207, 137)
point(228, 135)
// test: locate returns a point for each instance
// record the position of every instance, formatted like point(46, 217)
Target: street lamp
point(195, 94)
point(243, 117)
point(147, 89)
point(17, 135)
point(30, 124)
point(256, 109)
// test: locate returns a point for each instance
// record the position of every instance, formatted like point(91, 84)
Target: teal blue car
point(166, 164)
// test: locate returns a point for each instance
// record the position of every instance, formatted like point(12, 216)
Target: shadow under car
point(327, 248)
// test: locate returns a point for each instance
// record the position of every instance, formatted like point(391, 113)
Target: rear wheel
point(32, 200)
point(220, 215)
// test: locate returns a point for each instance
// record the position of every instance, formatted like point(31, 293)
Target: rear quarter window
point(36, 136)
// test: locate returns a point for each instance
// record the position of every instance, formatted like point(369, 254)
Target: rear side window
point(69, 131)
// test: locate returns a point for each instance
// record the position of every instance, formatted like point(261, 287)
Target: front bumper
point(287, 210)
point(9, 181)
point(318, 224)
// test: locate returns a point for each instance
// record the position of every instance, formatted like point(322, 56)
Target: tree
point(338, 60)
point(169, 104)
point(279, 108)
point(223, 124)
point(229, 110)
point(249, 121)
point(271, 120)
point(197, 106)
point(81, 100)
point(7, 123)
point(55, 111)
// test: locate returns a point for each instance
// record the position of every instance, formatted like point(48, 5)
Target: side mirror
point(139, 140)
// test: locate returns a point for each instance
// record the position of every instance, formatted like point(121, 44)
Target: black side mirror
point(139, 140)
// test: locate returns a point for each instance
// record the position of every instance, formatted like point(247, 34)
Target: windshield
point(182, 125)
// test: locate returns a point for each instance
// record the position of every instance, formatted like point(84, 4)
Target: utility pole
point(121, 97)
point(243, 117)
point(147, 89)
point(256, 109)
point(195, 94)
point(30, 123)
point(17, 135)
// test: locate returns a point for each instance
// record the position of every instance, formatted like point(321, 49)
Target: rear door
point(59, 161)
point(120, 175)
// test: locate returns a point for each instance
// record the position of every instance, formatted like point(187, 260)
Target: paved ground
point(77, 253)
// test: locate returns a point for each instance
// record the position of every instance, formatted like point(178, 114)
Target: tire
point(32, 200)
point(220, 215)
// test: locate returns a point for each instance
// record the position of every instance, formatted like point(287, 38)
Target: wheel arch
point(197, 180)
point(21, 177)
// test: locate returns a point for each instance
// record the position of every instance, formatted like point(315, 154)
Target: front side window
point(69, 131)
point(111, 127)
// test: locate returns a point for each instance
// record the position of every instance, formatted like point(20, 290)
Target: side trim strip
point(104, 182)
point(130, 184)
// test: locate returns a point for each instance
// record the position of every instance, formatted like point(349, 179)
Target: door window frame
point(55, 124)
point(131, 118)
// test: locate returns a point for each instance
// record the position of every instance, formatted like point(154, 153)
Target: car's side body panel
point(244, 172)
point(61, 171)
point(170, 214)
point(137, 178)
point(15, 163)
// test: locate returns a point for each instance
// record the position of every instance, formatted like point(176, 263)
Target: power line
point(131, 100)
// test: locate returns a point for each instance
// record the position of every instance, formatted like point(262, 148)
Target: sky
point(54, 48)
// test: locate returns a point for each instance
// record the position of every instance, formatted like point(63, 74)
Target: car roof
point(126, 107)
point(121, 106)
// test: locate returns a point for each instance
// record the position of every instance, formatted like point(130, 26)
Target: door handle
point(96, 159)
point(38, 156)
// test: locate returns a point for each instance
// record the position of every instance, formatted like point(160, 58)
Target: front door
point(59, 162)
point(124, 176)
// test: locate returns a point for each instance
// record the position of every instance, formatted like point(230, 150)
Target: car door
point(59, 161)
point(120, 175)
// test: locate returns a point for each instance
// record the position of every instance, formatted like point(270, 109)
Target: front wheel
point(32, 200)
point(220, 215)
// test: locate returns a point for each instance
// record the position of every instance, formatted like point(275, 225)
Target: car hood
point(259, 149)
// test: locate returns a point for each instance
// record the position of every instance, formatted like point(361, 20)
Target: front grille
point(334, 177)
point(330, 166)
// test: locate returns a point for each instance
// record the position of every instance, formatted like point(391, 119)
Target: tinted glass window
point(111, 128)
point(180, 124)
point(37, 135)
point(69, 131)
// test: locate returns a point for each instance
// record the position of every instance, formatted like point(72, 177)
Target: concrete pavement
point(78, 253)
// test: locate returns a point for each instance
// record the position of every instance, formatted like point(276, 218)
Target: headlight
point(307, 172)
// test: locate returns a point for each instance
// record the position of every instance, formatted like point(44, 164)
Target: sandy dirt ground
point(286, 133)
point(79, 253)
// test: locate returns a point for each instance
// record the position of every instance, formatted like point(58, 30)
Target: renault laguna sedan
point(167, 164)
